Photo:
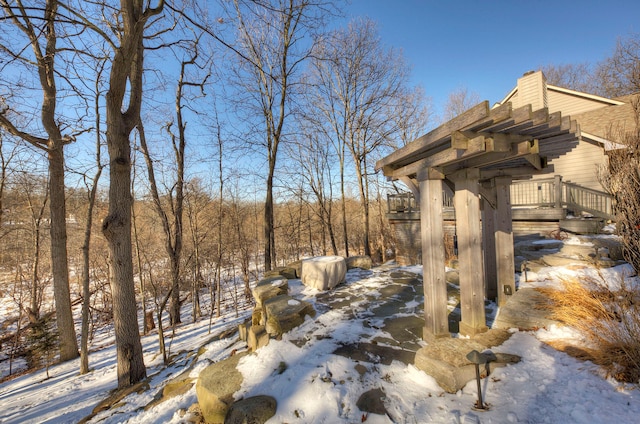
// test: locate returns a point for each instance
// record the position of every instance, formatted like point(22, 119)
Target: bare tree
point(459, 101)
point(413, 114)
point(92, 190)
point(619, 74)
point(623, 182)
point(314, 158)
point(172, 219)
point(37, 24)
point(124, 99)
point(360, 84)
point(575, 76)
point(197, 203)
point(274, 39)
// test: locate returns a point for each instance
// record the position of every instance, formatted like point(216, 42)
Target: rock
point(375, 353)
point(257, 337)
point(268, 288)
point(323, 272)
point(493, 337)
point(527, 309)
point(372, 402)
point(215, 388)
point(272, 273)
point(284, 271)
point(446, 361)
point(361, 369)
point(284, 313)
point(362, 262)
point(176, 388)
point(258, 317)
point(253, 410)
point(243, 330)
point(613, 246)
point(452, 276)
point(297, 267)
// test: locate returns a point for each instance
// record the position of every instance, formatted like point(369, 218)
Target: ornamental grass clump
point(608, 316)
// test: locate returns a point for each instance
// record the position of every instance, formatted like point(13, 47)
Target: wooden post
point(433, 258)
point(557, 185)
point(467, 205)
point(504, 241)
point(489, 249)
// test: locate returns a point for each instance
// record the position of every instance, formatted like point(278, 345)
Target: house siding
point(532, 89)
point(571, 105)
point(580, 166)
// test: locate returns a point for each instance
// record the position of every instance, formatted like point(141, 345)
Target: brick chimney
point(532, 89)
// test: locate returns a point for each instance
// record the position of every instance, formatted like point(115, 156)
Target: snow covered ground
point(318, 386)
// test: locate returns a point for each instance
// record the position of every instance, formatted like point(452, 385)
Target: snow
point(313, 385)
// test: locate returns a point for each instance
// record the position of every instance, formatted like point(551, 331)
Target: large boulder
point(253, 410)
point(297, 267)
point(285, 271)
point(323, 272)
point(257, 337)
point(362, 262)
point(215, 388)
point(285, 313)
point(268, 288)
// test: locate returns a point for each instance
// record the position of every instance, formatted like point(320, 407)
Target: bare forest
point(153, 151)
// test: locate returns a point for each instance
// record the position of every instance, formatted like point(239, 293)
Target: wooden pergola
point(476, 155)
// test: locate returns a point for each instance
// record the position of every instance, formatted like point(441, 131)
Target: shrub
point(609, 319)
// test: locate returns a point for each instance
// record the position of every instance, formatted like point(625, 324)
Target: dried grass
point(608, 318)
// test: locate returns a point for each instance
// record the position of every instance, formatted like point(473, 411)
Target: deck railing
point(582, 199)
point(551, 193)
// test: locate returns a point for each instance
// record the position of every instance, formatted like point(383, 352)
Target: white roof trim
point(566, 91)
point(608, 144)
point(585, 95)
point(508, 96)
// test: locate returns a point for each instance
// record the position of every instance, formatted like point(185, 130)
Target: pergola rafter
point(477, 154)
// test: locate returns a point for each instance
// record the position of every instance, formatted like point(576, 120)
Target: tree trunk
point(269, 243)
point(125, 90)
point(117, 230)
point(59, 261)
point(344, 209)
point(86, 293)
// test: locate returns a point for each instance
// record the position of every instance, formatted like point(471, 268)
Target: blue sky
point(486, 45)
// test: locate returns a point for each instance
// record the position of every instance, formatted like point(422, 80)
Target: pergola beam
point(436, 138)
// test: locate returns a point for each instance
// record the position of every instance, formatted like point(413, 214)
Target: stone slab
point(268, 288)
point(446, 360)
point(527, 309)
point(285, 313)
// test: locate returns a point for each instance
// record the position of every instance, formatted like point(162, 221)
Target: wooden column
point(467, 205)
point(504, 240)
point(489, 249)
point(433, 260)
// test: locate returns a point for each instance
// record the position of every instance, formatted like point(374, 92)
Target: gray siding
point(580, 165)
